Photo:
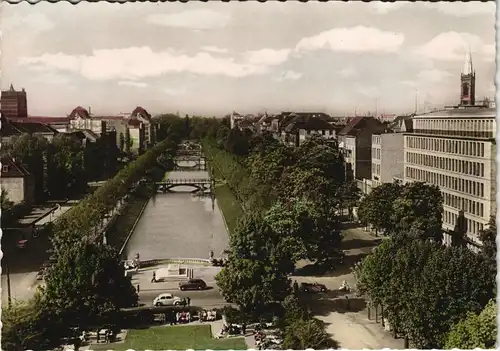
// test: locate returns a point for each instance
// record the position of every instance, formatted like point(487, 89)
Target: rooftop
point(464, 112)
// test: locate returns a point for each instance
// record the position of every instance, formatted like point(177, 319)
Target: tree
point(31, 150)
point(87, 286)
point(122, 142)
point(424, 287)
point(419, 211)
point(488, 238)
point(65, 167)
point(6, 203)
point(237, 143)
point(306, 334)
point(128, 141)
point(475, 331)
point(373, 208)
point(251, 284)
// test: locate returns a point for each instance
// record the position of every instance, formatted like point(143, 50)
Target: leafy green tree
point(306, 334)
point(459, 233)
point(31, 150)
point(87, 286)
point(66, 173)
point(252, 284)
point(488, 238)
point(6, 203)
point(419, 211)
point(122, 142)
point(424, 287)
point(475, 331)
point(373, 208)
point(128, 141)
point(237, 143)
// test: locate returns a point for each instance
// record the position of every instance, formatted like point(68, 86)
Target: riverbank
point(229, 205)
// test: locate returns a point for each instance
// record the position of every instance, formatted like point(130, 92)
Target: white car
point(167, 299)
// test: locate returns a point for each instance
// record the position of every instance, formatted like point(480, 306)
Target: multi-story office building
point(14, 103)
point(455, 149)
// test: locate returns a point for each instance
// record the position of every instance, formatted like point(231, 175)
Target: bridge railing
point(184, 181)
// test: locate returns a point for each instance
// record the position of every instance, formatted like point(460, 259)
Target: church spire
point(468, 67)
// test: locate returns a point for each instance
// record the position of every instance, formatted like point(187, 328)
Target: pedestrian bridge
point(199, 163)
point(197, 184)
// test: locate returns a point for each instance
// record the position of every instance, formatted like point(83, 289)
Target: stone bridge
point(200, 163)
point(198, 185)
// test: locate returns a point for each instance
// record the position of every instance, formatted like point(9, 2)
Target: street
point(209, 298)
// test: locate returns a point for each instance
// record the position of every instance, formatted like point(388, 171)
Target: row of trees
point(63, 167)
point(292, 198)
point(86, 287)
point(427, 291)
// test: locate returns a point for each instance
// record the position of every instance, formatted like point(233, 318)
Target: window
point(5, 168)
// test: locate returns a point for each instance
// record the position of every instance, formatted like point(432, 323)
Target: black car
point(193, 284)
point(312, 287)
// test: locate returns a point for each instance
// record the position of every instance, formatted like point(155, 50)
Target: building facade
point(387, 157)
point(14, 103)
point(456, 149)
point(18, 183)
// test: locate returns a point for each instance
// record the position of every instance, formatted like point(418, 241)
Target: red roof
point(134, 122)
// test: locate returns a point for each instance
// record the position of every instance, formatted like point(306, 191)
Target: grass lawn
point(197, 337)
point(118, 233)
point(229, 205)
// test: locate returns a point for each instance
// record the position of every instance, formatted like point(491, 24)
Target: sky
point(214, 58)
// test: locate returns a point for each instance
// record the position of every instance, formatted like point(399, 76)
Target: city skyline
point(210, 59)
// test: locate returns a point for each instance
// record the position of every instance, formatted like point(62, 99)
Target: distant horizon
point(209, 59)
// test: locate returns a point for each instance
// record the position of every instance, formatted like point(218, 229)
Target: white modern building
point(455, 149)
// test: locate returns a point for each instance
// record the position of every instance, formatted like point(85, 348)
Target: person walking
point(138, 288)
point(153, 280)
point(188, 299)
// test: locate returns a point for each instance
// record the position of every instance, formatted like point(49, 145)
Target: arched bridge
point(197, 184)
point(199, 163)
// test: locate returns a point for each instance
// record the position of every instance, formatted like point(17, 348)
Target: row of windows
point(473, 227)
point(459, 147)
point(472, 125)
point(445, 163)
point(376, 153)
point(376, 139)
point(466, 205)
point(445, 181)
point(375, 169)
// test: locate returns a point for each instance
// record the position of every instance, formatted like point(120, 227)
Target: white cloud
point(290, 75)
point(174, 92)
point(369, 91)
point(133, 84)
point(348, 72)
point(267, 57)
point(192, 19)
point(433, 75)
point(385, 7)
point(463, 9)
point(134, 63)
point(452, 46)
point(354, 39)
point(215, 49)
point(32, 21)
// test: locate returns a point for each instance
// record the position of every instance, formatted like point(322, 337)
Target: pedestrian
point(188, 299)
point(154, 277)
point(295, 287)
point(244, 329)
point(138, 288)
point(347, 302)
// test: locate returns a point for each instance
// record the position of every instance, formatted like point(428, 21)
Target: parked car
point(314, 287)
point(193, 284)
point(167, 299)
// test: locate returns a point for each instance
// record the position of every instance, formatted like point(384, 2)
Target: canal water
point(179, 224)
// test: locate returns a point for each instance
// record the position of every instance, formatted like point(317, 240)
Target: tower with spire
point(468, 83)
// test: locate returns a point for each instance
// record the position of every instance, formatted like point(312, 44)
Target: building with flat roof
point(455, 149)
point(14, 103)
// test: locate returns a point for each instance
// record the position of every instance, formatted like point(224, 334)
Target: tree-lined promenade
point(87, 287)
point(292, 197)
